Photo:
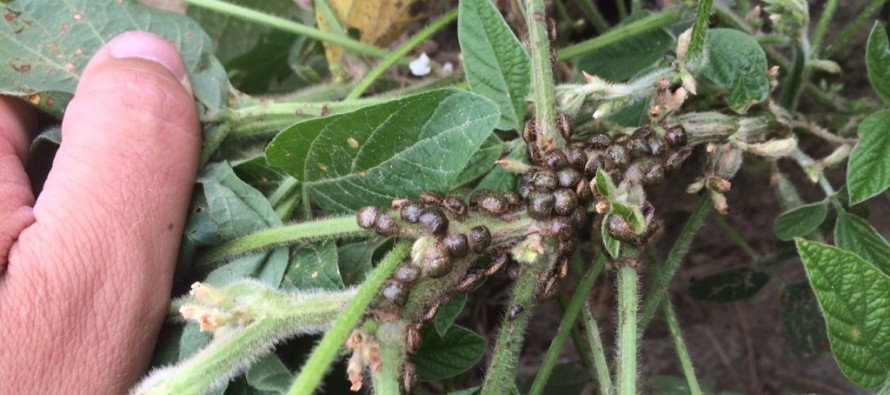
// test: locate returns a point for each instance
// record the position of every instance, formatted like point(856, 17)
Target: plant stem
point(288, 26)
point(261, 119)
point(501, 375)
point(795, 80)
point(578, 341)
point(337, 227)
point(394, 57)
point(627, 330)
point(736, 238)
point(569, 319)
point(285, 198)
point(600, 366)
point(663, 274)
point(311, 374)
point(643, 25)
point(622, 9)
point(542, 76)
point(330, 17)
point(636, 6)
point(696, 49)
point(392, 353)
point(594, 16)
point(217, 134)
point(843, 38)
point(822, 27)
point(680, 346)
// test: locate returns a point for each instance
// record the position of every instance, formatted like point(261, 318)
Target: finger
point(16, 198)
point(94, 272)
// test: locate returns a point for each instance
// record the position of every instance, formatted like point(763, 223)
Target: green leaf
point(496, 65)
point(377, 153)
point(855, 300)
point(800, 221)
point(802, 321)
point(481, 161)
point(356, 259)
point(269, 374)
point(449, 313)
point(501, 180)
point(877, 61)
point(613, 247)
point(855, 234)
point(258, 174)
point(729, 286)
point(441, 357)
point(627, 58)
point(47, 47)
point(315, 267)
point(868, 172)
point(604, 184)
point(468, 391)
point(737, 63)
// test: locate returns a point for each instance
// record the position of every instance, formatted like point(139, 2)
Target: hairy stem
point(311, 374)
point(594, 16)
point(392, 353)
point(398, 54)
point(542, 76)
point(288, 26)
point(822, 27)
point(626, 374)
point(795, 80)
point(501, 375)
point(696, 49)
point(663, 274)
point(843, 38)
point(265, 118)
point(337, 227)
point(568, 322)
point(680, 346)
point(643, 25)
point(217, 134)
point(600, 366)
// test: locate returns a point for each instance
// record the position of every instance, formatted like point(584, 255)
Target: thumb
point(108, 221)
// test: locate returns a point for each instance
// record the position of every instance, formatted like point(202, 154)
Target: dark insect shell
point(675, 136)
point(397, 204)
point(648, 211)
point(540, 204)
point(513, 199)
point(618, 155)
point(594, 163)
point(638, 148)
point(455, 205)
point(515, 311)
point(479, 238)
point(579, 217)
point(367, 217)
point(514, 270)
point(469, 280)
point(656, 146)
point(621, 140)
point(552, 32)
point(673, 162)
point(655, 175)
point(434, 220)
point(432, 198)
point(530, 132)
point(564, 124)
point(497, 263)
point(548, 290)
point(576, 156)
point(406, 274)
point(564, 201)
point(430, 312)
point(489, 202)
point(534, 154)
point(568, 177)
point(567, 246)
point(386, 225)
point(582, 190)
point(560, 227)
point(410, 212)
point(395, 293)
point(599, 141)
point(643, 133)
point(412, 339)
point(436, 262)
point(555, 160)
point(619, 229)
point(408, 376)
point(457, 244)
point(524, 190)
point(544, 180)
point(562, 267)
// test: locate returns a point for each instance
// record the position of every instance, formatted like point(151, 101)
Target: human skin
point(89, 263)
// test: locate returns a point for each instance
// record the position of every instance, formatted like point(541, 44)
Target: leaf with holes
point(868, 172)
point(800, 221)
point(441, 357)
point(497, 66)
point(47, 47)
point(855, 300)
point(855, 234)
point(377, 153)
point(877, 61)
point(729, 286)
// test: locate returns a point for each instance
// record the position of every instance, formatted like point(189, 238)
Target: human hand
point(88, 270)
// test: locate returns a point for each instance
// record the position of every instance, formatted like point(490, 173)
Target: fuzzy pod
point(576, 156)
point(594, 163)
point(515, 311)
point(479, 239)
point(579, 217)
point(406, 274)
point(656, 146)
point(619, 229)
point(568, 177)
point(490, 202)
point(599, 141)
point(455, 205)
point(436, 262)
point(457, 244)
point(675, 136)
point(434, 220)
point(367, 217)
point(540, 204)
point(395, 293)
point(385, 225)
point(410, 212)
point(564, 124)
point(544, 180)
point(561, 228)
point(530, 132)
point(497, 263)
point(564, 201)
point(408, 376)
point(412, 339)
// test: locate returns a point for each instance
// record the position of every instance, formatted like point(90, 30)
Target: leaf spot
point(352, 143)
point(50, 101)
point(854, 332)
point(34, 99)
point(10, 16)
point(322, 166)
point(69, 67)
point(314, 275)
point(78, 16)
point(25, 68)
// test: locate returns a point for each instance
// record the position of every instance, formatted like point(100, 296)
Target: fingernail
point(148, 46)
